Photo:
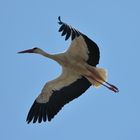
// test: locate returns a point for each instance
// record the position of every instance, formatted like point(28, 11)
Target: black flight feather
point(43, 111)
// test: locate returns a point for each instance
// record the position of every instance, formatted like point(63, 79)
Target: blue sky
point(98, 114)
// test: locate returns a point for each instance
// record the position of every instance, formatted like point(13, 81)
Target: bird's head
point(33, 50)
point(37, 51)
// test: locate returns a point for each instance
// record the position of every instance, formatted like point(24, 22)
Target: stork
point(79, 72)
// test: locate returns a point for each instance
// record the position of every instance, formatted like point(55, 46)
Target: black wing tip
point(28, 121)
point(59, 20)
point(40, 112)
point(68, 30)
point(37, 113)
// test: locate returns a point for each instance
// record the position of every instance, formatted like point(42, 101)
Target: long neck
point(55, 57)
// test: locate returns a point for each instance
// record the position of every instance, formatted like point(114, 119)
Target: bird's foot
point(112, 87)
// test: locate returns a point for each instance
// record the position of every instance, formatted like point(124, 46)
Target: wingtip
point(27, 121)
point(59, 20)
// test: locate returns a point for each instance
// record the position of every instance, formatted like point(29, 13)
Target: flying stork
point(79, 72)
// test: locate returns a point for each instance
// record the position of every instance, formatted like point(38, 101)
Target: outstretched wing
point(81, 45)
point(56, 94)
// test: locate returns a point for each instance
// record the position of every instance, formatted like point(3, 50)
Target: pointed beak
point(27, 51)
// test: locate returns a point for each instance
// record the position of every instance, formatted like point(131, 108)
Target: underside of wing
point(85, 44)
point(67, 30)
point(55, 95)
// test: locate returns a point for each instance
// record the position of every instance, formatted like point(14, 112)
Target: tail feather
point(100, 76)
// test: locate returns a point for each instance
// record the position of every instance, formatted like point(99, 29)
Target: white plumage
point(79, 72)
point(65, 79)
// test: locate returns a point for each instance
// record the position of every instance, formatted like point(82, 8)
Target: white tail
point(99, 76)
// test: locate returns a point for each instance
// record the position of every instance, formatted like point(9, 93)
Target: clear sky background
point(98, 114)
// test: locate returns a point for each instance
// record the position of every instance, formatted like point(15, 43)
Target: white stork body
point(79, 72)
